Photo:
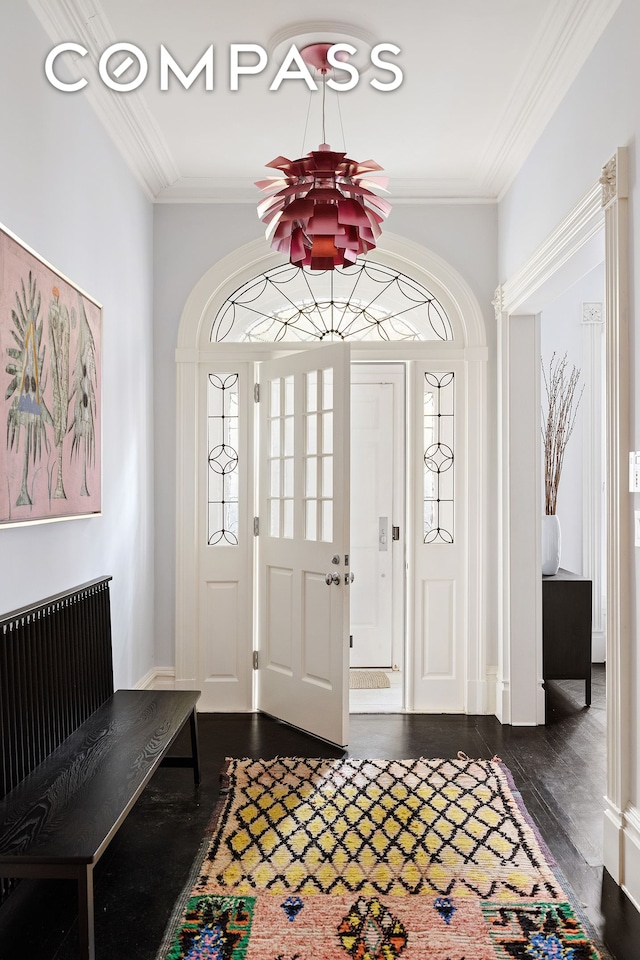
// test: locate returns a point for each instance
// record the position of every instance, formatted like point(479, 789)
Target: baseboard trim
point(492, 679)
point(502, 700)
point(481, 694)
point(631, 853)
point(612, 846)
point(158, 678)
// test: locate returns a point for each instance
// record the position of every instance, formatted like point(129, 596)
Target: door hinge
point(256, 526)
point(351, 641)
point(255, 659)
point(256, 392)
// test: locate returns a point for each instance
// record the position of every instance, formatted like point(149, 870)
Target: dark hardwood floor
point(558, 768)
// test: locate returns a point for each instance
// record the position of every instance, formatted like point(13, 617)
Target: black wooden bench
point(58, 820)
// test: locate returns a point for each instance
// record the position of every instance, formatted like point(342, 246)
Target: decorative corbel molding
point(615, 177)
point(609, 180)
point(498, 301)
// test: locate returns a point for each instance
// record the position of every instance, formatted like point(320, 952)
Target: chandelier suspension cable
point(324, 101)
point(306, 122)
point(344, 139)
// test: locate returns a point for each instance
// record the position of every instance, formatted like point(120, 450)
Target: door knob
point(332, 578)
point(349, 578)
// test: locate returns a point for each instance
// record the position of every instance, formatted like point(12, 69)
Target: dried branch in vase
point(558, 423)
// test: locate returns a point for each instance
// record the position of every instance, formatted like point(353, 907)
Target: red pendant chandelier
point(321, 211)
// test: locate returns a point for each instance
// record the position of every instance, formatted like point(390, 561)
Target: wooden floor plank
point(148, 862)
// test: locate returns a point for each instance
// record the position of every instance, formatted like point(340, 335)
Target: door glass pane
point(327, 520)
point(274, 485)
point(327, 433)
point(274, 440)
point(274, 518)
point(327, 476)
point(287, 530)
point(274, 410)
point(310, 512)
point(327, 389)
point(288, 437)
point(288, 396)
point(288, 478)
point(311, 402)
point(311, 477)
point(312, 433)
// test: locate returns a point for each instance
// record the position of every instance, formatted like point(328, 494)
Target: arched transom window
point(368, 301)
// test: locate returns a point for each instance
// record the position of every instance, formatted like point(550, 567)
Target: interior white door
point(304, 573)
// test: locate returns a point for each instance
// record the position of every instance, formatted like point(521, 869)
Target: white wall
point(190, 238)
point(562, 331)
point(66, 192)
point(600, 112)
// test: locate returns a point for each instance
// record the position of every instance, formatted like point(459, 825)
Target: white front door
point(377, 506)
point(304, 571)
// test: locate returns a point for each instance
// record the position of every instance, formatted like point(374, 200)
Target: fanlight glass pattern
point(222, 445)
point(439, 424)
point(367, 301)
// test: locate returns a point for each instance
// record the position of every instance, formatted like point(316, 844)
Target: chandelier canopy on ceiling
point(321, 211)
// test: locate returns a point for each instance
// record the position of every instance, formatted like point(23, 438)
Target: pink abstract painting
point(50, 413)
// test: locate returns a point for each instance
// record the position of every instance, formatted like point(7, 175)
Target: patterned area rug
point(374, 860)
point(368, 680)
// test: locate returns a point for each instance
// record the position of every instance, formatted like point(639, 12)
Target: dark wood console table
point(566, 629)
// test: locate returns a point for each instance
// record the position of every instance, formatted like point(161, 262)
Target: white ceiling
point(481, 80)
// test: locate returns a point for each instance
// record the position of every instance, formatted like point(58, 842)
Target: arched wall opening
point(214, 589)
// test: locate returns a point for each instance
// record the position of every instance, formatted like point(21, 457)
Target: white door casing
point(304, 576)
point(196, 356)
point(538, 281)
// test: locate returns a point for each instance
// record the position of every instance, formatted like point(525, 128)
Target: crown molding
point(127, 120)
point(565, 39)
point(241, 190)
point(583, 222)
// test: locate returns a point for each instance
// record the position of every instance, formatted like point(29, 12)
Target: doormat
point(374, 860)
point(368, 680)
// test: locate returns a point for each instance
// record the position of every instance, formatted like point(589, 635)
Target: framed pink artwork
point(50, 396)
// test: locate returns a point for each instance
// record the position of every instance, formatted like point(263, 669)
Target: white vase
point(551, 545)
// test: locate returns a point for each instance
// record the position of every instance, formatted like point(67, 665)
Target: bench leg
point(85, 914)
point(195, 752)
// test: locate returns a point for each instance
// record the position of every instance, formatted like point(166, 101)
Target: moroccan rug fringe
point(196, 866)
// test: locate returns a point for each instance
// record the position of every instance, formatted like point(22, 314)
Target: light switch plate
point(634, 472)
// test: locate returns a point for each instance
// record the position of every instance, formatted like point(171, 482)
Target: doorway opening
point(377, 662)
point(254, 331)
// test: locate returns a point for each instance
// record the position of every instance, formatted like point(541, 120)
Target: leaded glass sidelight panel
point(439, 445)
point(222, 457)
